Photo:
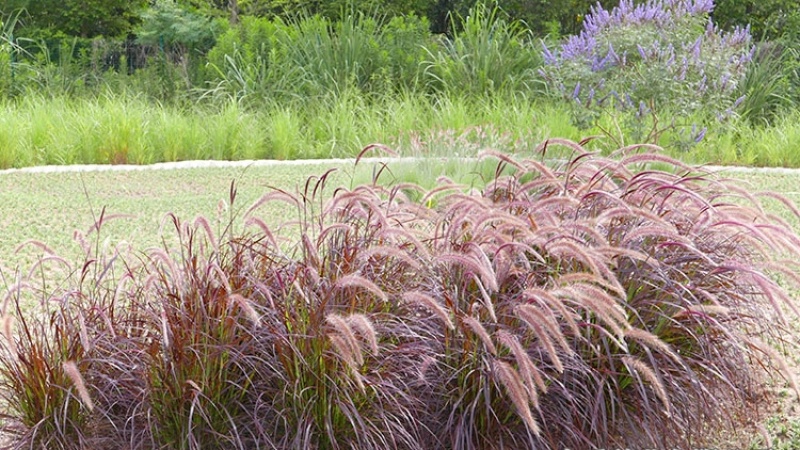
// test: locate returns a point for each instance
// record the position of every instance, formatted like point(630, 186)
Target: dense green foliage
point(365, 74)
point(75, 18)
point(265, 59)
point(71, 18)
point(769, 19)
point(165, 23)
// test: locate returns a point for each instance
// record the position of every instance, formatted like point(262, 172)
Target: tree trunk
point(234, 6)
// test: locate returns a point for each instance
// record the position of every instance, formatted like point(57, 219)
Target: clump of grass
point(579, 302)
point(54, 366)
point(46, 400)
point(486, 55)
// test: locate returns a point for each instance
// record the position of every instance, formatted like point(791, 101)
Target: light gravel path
point(200, 164)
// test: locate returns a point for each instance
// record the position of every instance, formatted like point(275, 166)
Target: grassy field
point(50, 207)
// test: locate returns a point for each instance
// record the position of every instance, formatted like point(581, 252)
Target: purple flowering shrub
point(659, 55)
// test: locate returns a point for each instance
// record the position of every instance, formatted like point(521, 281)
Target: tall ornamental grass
point(581, 302)
point(129, 129)
point(485, 55)
point(268, 59)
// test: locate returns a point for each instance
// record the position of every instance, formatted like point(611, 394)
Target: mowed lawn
point(51, 207)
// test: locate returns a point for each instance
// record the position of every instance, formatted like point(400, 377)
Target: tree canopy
point(114, 18)
point(81, 18)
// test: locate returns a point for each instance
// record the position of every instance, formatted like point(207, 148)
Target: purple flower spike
point(641, 51)
point(711, 30)
point(700, 135)
point(577, 91)
point(684, 70)
point(612, 55)
point(549, 58)
point(702, 85)
point(724, 82)
point(696, 48)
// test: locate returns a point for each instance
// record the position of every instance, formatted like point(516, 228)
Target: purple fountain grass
point(592, 302)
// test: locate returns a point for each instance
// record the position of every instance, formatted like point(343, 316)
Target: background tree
point(542, 17)
point(81, 18)
point(548, 17)
point(167, 24)
point(768, 19)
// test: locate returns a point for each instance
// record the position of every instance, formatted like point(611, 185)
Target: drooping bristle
point(72, 372)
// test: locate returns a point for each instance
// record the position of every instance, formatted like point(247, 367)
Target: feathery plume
point(646, 373)
point(429, 303)
point(202, 222)
point(72, 372)
point(393, 252)
point(533, 319)
point(598, 302)
point(550, 325)
point(544, 298)
point(343, 330)
point(311, 252)
point(471, 264)
point(527, 369)
point(364, 326)
point(509, 379)
point(349, 355)
point(245, 305)
point(354, 280)
point(478, 329)
point(84, 335)
point(223, 278)
point(487, 300)
point(652, 341)
point(344, 349)
point(8, 334)
point(164, 330)
point(703, 310)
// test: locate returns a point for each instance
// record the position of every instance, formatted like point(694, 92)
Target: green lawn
point(50, 207)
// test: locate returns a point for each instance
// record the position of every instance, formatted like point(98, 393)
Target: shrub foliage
point(657, 54)
point(596, 301)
